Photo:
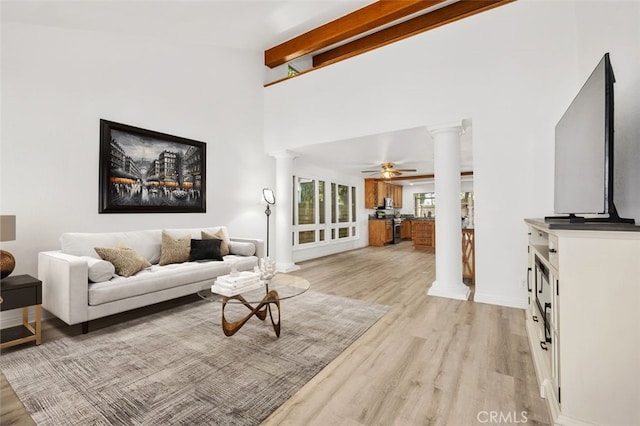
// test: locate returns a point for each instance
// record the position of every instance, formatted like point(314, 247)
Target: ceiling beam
point(419, 177)
point(422, 23)
point(362, 20)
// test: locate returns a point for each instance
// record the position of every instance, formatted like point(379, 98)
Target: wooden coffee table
point(259, 301)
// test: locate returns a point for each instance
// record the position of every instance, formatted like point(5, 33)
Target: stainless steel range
point(397, 230)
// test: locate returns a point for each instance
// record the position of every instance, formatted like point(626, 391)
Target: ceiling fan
point(388, 171)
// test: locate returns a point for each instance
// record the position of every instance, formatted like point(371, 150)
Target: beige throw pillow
point(126, 260)
point(174, 250)
point(219, 235)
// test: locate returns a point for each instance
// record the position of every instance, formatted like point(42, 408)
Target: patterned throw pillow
point(174, 250)
point(126, 260)
point(219, 235)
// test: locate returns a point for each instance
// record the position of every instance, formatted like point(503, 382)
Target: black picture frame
point(143, 171)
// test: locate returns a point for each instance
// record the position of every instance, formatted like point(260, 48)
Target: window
point(291, 71)
point(343, 203)
point(317, 200)
point(425, 203)
point(306, 201)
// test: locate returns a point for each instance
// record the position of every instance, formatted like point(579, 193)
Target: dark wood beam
point(418, 177)
point(422, 23)
point(368, 18)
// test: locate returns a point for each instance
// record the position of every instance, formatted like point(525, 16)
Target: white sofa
point(69, 294)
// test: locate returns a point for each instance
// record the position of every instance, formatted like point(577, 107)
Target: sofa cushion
point(174, 250)
point(220, 235)
point(242, 248)
point(205, 250)
point(156, 278)
point(125, 260)
point(99, 270)
point(196, 232)
point(147, 243)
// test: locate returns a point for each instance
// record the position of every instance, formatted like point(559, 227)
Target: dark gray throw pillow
point(205, 250)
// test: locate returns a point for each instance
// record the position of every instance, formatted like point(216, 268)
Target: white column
point(284, 211)
point(446, 149)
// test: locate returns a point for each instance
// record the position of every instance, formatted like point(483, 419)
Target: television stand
point(592, 288)
point(613, 218)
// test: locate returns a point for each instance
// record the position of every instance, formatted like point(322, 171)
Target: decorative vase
point(267, 269)
point(7, 263)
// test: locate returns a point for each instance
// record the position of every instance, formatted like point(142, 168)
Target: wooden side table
point(21, 291)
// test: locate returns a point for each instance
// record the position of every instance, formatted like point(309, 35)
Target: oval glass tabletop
point(286, 286)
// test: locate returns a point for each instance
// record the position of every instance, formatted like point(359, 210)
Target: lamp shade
point(7, 227)
point(269, 196)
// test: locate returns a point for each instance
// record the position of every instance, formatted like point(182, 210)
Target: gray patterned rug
point(176, 366)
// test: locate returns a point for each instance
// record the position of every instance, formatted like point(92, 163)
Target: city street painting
point(142, 171)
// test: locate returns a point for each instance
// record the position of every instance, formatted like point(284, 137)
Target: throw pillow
point(220, 235)
point(241, 248)
point(99, 270)
point(125, 260)
point(205, 250)
point(174, 250)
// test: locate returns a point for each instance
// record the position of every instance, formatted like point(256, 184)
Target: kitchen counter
point(423, 234)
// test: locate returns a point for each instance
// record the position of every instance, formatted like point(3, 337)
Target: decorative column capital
point(283, 154)
point(457, 127)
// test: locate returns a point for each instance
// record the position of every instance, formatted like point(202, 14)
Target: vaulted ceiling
point(327, 30)
point(372, 26)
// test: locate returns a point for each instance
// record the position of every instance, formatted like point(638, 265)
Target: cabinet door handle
point(552, 250)
point(543, 345)
point(535, 318)
point(529, 280)
point(546, 306)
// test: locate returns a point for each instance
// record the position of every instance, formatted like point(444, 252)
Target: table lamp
point(7, 233)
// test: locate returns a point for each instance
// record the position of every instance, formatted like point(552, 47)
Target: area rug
point(177, 367)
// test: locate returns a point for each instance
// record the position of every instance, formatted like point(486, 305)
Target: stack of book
point(240, 282)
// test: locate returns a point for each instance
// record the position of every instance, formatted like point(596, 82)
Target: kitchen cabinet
point(380, 232)
point(397, 196)
point(405, 229)
point(376, 190)
point(382, 192)
point(370, 194)
point(424, 234)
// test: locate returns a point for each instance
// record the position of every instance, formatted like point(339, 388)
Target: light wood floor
point(429, 361)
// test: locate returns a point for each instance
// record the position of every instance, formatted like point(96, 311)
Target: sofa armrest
point(257, 242)
point(65, 285)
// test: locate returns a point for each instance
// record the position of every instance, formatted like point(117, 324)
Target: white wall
point(504, 70)
point(57, 84)
point(619, 34)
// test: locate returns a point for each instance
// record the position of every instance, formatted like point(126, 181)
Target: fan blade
point(370, 171)
point(406, 170)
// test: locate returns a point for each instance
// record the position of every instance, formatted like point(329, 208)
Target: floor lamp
point(270, 199)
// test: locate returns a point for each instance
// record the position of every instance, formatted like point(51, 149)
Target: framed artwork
point(142, 171)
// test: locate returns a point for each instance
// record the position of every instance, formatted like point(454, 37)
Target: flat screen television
point(584, 157)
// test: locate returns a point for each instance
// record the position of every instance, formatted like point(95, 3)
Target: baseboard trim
point(455, 291)
point(14, 317)
point(286, 267)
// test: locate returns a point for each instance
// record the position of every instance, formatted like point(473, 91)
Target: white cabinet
point(583, 322)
